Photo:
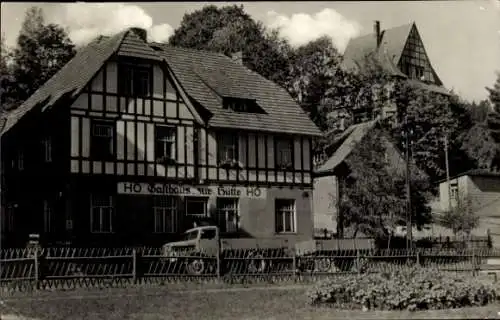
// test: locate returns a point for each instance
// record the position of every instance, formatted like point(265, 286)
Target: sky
point(462, 38)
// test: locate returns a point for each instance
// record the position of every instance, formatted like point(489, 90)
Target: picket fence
point(70, 268)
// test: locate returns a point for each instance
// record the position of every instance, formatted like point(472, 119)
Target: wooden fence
point(66, 268)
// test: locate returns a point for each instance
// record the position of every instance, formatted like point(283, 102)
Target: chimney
point(142, 33)
point(376, 30)
point(237, 57)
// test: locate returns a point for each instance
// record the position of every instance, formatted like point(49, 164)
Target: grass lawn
point(271, 303)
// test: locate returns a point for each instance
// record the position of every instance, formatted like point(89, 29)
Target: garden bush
point(404, 289)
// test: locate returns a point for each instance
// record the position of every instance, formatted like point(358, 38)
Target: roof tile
point(389, 53)
point(208, 76)
point(357, 133)
point(205, 76)
point(72, 78)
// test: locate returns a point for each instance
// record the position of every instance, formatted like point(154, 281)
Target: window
point(284, 153)
point(47, 216)
point(165, 143)
point(47, 149)
point(419, 72)
point(228, 214)
point(165, 214)
point(241, 105)
point(134, 81)
point(285, 215)
point(237, 105)
point(208, 234)
point(196, 207)
point(101, 217)
point(101, 143)
point(20, 160)
point(454, 190)
point(228, 146)
point(7, 222)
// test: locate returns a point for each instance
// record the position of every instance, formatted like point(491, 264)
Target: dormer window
point(134, 81)
point(241, 105)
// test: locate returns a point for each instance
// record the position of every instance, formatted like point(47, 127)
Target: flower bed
point(404, 289)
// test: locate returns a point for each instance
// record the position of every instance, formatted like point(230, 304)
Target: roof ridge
point(386, 29)
point(215, 53)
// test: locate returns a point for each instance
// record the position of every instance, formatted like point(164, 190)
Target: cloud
point(300, 28)
point(85, 21)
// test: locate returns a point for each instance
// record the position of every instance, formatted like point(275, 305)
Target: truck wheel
point(196, 267)
point(258, 264)
point(323, 265)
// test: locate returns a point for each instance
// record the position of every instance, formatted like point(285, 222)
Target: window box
point(166, 161)
point(230, 164)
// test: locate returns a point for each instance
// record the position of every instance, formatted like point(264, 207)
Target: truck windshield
point(191, 235)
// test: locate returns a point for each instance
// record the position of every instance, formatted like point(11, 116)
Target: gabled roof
point(208, 77)
point(392, 45)
point(71, 79)
point(475, 173)
point(355, 134)
point(203, 77)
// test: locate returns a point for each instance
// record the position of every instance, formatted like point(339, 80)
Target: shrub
point(409, 288)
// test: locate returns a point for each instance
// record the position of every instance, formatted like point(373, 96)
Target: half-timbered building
point(400, 52)
point(132, 141)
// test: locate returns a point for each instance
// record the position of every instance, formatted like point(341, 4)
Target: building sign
point(188, 190)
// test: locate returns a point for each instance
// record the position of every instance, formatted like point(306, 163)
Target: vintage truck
point(200, 247)
point(203, 247)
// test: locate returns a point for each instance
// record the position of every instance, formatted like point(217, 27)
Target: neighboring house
point(329, 176)
point(480, 190)
point(132, 141)
point(401, 53)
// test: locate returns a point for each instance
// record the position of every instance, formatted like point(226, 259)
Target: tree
point(7, 82)
point(482, 141)
point(313, 68)
point(42, 49)
point(431, 116)
point(460, 218)
point(373, 197)
point(230, 29)
point(494, 94)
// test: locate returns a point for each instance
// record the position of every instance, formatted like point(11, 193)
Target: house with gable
point(401, 53)
point(329, 176)
point(477, 191)
point(132, 141)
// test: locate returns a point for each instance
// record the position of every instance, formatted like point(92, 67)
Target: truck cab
point(204, 240)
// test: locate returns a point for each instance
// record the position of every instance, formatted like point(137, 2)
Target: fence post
point(134, 265)
point(474, 271)
point(418, 258)
point(218, 267)
point(294, 265)
point(37, 266)
point(358, 262)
